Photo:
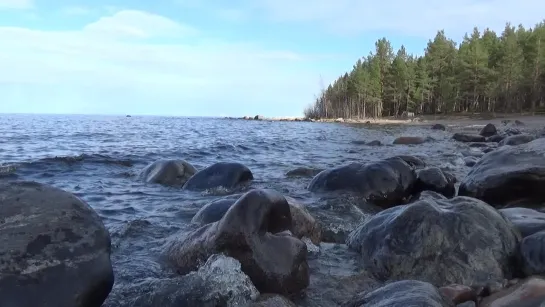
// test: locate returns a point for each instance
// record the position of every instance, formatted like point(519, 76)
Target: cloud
point(417, 18)
point(76, 10)
point(150, 64)
point(16, 4)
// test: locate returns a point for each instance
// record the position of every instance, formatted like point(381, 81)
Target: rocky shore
point(434, 240)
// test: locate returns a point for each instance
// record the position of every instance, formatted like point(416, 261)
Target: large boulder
point(303, 224)
point(410, 140)
point(488, 130)
point(518, 139)
point(527, 221)
point(55, 251)
point(402, 293)
point(168, 172)
point(532, 252)
point(527, 293)
point(219, 282)
point(510, 174)
point(226, 175)
point(253, 232)
point(468, 138)
point(386, 183)
point(434, 179)
point(442, 241)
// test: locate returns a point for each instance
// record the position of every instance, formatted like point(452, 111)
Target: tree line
point(484, 73)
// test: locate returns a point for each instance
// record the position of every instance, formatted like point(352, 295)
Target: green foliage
point(484, 73)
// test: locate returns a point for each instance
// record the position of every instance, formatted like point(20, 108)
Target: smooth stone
point(532, 253)
point(459, 293)
point(226, 175)
point(249, 232)
point(433, 179)
point(409, 140)
point(495, 138)
point(413, 161)
point(470, 161)
point(468, 138)
point(385, 183)
point(401, 293)
point(374, 143)
point(527, 293)
point(215, 210)
point(270, 300)
point(168, 172)
point(452, 241)
point(488, 130)
point(527, 221)
point(438, 127)
point(518, 139)
point(55, 250)
point(510, 174)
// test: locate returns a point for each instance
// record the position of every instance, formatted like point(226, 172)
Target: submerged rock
point(55, 251)
point(515, 140)
point(410, 140)
point(468, 138)
point(215, 210)
point(374, 143)
point(527, 293)
point(438, 127)
point(250, 232)
point(402, 293)
point(220, 175)
point(509, 174)
point(488, 130)
point(219, 282)
point(168, 172)
point(385, 183)
point(442, 241)
point(527, 221)
point(433, 179)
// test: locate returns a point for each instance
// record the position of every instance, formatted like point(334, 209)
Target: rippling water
point(98, 158)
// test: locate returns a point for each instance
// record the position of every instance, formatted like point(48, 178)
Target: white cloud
point(16, 4)
point(418, 17)
point(76, 10)
point(138, 59)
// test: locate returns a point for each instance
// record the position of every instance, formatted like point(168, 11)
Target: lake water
point(98, 158)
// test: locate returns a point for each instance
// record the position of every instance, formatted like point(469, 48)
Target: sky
point(211, 57)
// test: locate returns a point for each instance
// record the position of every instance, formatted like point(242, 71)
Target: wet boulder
point(269, 300)
point(434, 179)
point(471, 161)
point(532, 252)
point(402, 293)
point(527, 221)
point(410, 140)
point(303, 224)
point(468, 138)
point(459, 293)
point(414, 162)
point(226, 175)
point(55, 251)
point(510, 174)
point(488, 130)
point(438, 127)
point(518, 139)
point(168, 172)
point(253, 231)
point(442, 241)
point(385, 183)
point(374, 143)
point(495, 138)
point(303, 172)
point(219, 282)
point(527, 293)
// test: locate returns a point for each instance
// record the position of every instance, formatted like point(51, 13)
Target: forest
point(485, 73)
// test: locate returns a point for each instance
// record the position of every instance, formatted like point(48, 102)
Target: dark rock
point(220, 175)
point(467, 304)
point(374, 143)
point(473, 153)
point(303, 223)
point(527, 293)
point(168, 172)
point(495, 138)
point(489, 149)
point(468, 138)
point(433, 179)
point(268, 300)
point(519, 123)
point(55, 251)
point(509, 174)
point(258, 117)
point(532, 251)
point(488, 130)
point(527, 221)
point(413, 161)
point(442, 241)
point(219, 282)
point(459, 293)
point(515, 140)
point(385, 183)
point(511, 131)
point(470, 161)
point(303, 172)
point(402, 293)
point(478, 145)
point(409, 140)
point(250, 232)
point(430, 194)
point(438, 127)
point(359, 142)
point(215, 210)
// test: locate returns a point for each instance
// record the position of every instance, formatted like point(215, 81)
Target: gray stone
point(527, 221)
point(226, 175)
point(168, 172)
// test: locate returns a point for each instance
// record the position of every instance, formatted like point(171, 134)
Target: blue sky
point(210, 58)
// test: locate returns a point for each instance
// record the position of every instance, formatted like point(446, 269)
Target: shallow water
point(98, 158)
